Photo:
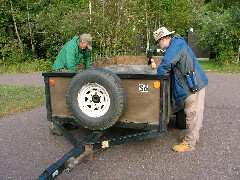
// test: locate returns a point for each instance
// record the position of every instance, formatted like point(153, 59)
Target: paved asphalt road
point(27, 148)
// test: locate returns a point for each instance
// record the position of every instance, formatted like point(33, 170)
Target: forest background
point(34, 31)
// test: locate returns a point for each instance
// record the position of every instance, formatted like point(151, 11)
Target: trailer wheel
point(96, 98)
point(181, 119)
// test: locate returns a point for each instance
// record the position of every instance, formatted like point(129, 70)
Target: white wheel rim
point(93, 100)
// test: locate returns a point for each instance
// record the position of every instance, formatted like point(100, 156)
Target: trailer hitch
point(86, 155)
point(84, 150)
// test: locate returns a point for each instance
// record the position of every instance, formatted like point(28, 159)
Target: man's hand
point(153, 64)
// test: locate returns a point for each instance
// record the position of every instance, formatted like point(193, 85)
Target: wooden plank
point(58, 96)
point(142, 107)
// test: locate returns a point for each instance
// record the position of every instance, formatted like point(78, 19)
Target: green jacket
point(71, 55)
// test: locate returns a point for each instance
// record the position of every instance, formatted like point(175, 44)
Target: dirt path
point(35, 79)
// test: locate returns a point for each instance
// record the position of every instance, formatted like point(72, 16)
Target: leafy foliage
point(217, 27)
point(37, 29)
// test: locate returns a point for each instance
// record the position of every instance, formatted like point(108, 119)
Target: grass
point(26, 67)
point(15, 99)
point(213, 66)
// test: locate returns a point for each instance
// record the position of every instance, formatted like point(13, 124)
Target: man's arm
point(171, 57)
point(87, 59)
point(71, 60)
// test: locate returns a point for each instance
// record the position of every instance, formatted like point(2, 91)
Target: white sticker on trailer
point(143, 88)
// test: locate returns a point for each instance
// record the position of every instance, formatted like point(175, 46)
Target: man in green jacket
point(74, 52)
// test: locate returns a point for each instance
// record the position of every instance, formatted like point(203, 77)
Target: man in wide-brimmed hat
point(180, 59)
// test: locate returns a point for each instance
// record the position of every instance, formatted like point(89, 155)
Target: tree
point(37, 29)
point(217, 27)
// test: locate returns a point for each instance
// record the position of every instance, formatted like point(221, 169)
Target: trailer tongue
point(84, 150)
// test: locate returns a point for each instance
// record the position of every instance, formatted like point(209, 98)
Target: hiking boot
point(181, 138)
point(182, 147)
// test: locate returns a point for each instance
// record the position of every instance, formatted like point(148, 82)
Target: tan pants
point(194, 106)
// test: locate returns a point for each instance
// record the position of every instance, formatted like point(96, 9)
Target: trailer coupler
point(86, 155)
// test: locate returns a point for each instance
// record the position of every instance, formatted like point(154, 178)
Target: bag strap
point(193, 65)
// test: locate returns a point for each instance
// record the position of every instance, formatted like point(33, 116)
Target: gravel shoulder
point(35, 79)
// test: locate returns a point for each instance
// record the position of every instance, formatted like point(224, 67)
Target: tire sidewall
point(109, 82)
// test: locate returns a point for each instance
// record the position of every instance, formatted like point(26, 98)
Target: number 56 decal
point(143, 88)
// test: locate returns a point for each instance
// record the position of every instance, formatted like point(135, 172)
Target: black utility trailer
point(101, 100)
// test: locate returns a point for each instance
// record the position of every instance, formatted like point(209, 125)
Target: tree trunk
point(147, 29)
point(103, 28)
point(90, 12)
point(238, 59)
point(30, 30)
point(14, 23)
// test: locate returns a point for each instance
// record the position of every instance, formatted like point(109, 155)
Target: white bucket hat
point(161, 32)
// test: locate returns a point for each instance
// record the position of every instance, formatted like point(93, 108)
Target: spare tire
point(96, 98)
